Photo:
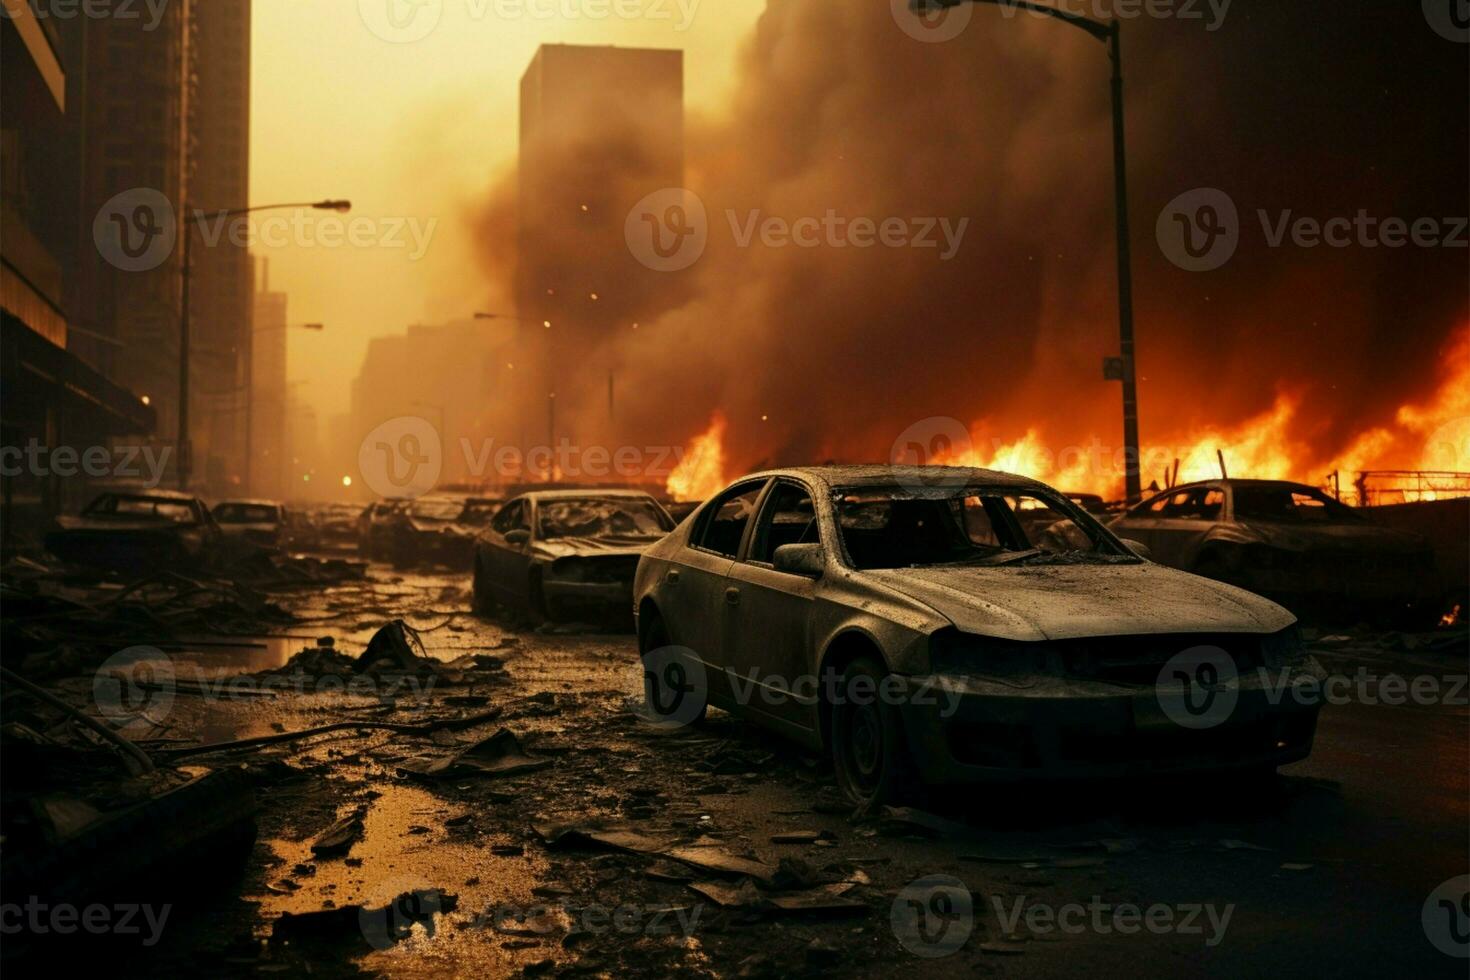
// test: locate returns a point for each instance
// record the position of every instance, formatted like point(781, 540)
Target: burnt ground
point(1325, 872)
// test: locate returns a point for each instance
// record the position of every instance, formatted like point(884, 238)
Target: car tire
point(865, 738)
point(655, 636)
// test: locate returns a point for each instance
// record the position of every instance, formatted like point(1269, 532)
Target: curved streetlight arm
point(314, 205)
point(1099, 30)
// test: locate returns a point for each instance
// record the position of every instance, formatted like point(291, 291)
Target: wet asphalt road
point(1326, 872)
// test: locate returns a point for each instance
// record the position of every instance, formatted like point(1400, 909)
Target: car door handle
point(672, 578)
point(732, 596)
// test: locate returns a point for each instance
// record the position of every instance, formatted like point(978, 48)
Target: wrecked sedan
point(375, 527)
point(1288, 541)
point(566, 554)
point(428, 531)
point(262, 522)
point(999, 648)
point(137, 532)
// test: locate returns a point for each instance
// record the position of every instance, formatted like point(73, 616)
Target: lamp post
point(1108, 33)
point(185, 450)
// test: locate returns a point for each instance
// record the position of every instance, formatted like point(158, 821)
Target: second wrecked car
point(561, 554)
point(956, 625)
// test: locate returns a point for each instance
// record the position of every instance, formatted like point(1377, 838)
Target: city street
point(1326, 872)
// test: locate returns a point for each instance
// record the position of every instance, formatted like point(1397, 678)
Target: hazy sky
point(414, 132)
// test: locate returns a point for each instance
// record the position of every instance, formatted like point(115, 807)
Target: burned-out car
point(137, 531)
point(429, 531)
point(911, 623)
point(1288, 541)
point(336, 525)
point(561, 554)
point(375, 527)
point(262, 522)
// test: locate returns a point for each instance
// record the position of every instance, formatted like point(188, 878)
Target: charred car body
point(137, 532)
point(569, 553)
point(262, 522)
point(1285, 540)
point(1008, 649)
point(429, 531)
point(375, 527)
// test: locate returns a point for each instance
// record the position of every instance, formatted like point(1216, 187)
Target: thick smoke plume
point(828, 352)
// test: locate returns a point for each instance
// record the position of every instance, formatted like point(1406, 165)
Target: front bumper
point(973, 729)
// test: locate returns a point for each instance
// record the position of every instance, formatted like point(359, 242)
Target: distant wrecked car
point(374, 527)
point(428, 531)
point(137, 532)
point(261, 522)
point(1286, 540)
point(957, 625)
point(568, 553)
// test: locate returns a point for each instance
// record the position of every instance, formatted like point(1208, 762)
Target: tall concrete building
point(132, 94)
point(269, 463)
point(54, 391)
point(601, 128)
point(221, 296)
point(164, 120)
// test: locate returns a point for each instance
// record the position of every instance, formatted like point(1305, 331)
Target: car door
point(767, 615)
point(695, 580)
point(507, 563)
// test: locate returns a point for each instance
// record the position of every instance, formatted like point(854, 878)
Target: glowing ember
point(700, 474)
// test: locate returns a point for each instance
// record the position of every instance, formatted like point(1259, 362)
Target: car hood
point(1055, 602)
point(594, 547)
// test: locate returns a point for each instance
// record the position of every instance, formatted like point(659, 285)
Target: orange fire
point(700, 474)
point(1433, 434)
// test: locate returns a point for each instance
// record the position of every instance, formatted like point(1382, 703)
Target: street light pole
point(1108, 33)
point(185, 449)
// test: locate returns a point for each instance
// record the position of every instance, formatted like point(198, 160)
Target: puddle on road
point(395, 859)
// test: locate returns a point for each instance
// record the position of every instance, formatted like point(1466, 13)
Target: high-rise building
point(131, 93)
point(268, 463)
point(164, 116)
point(221, 295)
point(601, 128)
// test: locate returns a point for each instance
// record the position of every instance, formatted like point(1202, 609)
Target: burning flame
point(700, 474)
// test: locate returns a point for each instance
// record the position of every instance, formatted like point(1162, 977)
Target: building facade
point(57, 402)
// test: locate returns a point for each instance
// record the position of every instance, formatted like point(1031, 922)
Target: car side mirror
point(800, 559)
point(1138, 548)
point(518, 536)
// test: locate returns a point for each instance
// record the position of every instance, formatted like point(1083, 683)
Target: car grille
point(1139, 659)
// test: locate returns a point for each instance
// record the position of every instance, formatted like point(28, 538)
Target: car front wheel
point(865, 737)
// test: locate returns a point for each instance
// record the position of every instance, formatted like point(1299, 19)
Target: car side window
point(788, 518)
point(511, 517)
point(724, 525)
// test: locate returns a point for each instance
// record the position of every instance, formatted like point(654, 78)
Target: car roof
point(887, 475)
point(250, 503)
point(583, 494)
point(1238, 482)
point(173, 496)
